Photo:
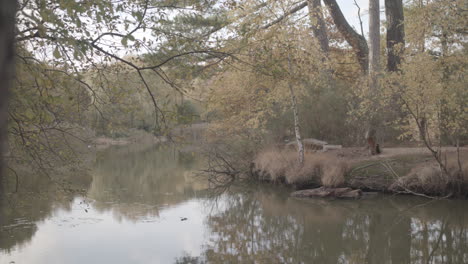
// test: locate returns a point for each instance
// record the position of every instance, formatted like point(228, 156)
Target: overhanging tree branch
point(356, 41)
point(286, 14)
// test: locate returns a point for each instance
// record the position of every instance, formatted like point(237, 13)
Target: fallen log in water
point(325, 192)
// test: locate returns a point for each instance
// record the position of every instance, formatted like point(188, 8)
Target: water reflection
point(265, 227)
point(34, 202)
point(134, 183)
point(138, 194)
point(128, 184)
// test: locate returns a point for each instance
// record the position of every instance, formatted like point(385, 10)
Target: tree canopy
point(90, 68)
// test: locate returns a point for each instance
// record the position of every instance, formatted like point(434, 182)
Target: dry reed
point(281, 165)
point(431, 179)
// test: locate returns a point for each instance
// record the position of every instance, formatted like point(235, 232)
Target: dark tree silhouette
point(395, 33)
point(7, 26)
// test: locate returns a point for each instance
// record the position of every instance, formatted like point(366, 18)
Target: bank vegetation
point(257, 76)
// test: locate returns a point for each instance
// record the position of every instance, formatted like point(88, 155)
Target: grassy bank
point(397, 170)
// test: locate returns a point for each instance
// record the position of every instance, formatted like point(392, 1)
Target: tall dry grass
point(430, 179)
point(281, 165)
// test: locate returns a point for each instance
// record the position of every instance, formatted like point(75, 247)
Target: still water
point(143, 205)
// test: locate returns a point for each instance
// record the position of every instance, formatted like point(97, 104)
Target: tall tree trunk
point(374, 37)
point(356, 41)
point(395, 33)
point(318, 25)
point(374, 68)
point(297, 127)
point(7, 27)
point(422, 38)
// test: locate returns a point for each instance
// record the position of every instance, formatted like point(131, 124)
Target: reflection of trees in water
point(133, 181)
point(267, 228)
point(20, 212)
point(15, 231)
point(136, 177)
point(440, 234)
point(261, 227)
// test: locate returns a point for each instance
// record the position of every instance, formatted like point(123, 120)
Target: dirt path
point(361, 154)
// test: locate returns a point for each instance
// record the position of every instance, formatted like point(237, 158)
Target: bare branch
point(286, 14)
point(359, 16)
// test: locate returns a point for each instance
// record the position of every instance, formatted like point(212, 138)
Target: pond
point(144, 205)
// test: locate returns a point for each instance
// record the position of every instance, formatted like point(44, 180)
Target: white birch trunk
point(297, 130)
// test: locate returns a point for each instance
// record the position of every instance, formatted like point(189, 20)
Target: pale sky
point(350, 11)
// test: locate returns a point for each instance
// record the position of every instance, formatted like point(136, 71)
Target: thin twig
point(359, 16)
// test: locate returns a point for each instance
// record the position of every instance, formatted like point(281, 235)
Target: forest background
point(255, 72)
